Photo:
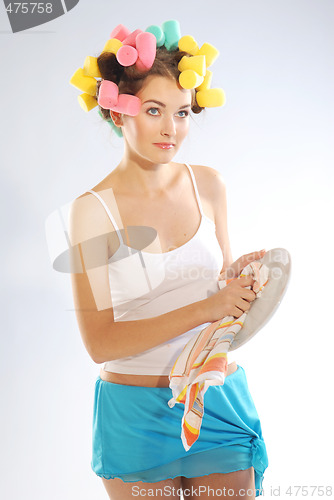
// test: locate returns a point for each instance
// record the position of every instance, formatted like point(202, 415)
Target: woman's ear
point(116, 118)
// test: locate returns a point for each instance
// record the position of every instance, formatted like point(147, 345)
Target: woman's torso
point(174, 214)
point(177, 217)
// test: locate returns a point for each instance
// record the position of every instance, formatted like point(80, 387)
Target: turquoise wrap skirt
point(136, 436)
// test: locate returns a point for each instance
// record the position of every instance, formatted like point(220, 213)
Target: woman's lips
point(164, 145)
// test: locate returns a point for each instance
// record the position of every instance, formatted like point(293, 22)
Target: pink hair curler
point(140, 66)
point(120, 32)
point(108, 94)
point(131, 39)
point(146, 46)
point(109, 98)
point(127, 104)
point(127, 55)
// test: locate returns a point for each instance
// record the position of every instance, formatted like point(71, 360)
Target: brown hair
point(130, 80)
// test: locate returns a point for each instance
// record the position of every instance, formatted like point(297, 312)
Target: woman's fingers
point(235, 269)
point(243, 304)
point(236, 312)
point(246, 280)
point(247, 259)
point(249, 295)
point(254, 255)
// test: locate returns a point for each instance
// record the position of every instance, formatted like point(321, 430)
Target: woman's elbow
point(98, 342)
point(100, 355)
point(97, 359)
point(97, 354)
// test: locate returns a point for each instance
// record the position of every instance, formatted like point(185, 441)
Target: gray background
point(273, 144)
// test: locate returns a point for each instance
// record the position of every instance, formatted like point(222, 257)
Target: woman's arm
point(104, 338)
point(212, 190)
point(220, 210)
point(230, 269)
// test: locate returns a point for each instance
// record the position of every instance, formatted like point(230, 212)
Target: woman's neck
point(146, 177)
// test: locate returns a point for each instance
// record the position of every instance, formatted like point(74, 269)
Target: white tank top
point(145, 284)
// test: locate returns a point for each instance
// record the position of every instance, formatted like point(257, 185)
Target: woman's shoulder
point(209, 180)
point(88, 215)
point(105, 189)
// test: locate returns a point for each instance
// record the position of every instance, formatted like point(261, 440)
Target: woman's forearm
point(127, 338)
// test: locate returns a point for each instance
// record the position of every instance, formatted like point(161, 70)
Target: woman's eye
point(153, 111)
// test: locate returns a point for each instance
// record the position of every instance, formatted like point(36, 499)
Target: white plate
point(278, 261)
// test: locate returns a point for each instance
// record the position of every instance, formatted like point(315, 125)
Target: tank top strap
point(195, 189)
point(111, 217)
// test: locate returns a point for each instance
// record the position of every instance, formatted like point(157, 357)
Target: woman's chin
point(166, 155)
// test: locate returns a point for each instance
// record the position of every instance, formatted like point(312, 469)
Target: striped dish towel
point(203, 361)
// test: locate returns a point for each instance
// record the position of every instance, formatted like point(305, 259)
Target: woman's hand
point(235, 269)
point(235, 298)
point(232, 300)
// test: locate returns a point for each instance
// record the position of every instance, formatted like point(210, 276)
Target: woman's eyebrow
point(164, 105)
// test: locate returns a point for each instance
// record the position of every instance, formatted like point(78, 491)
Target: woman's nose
point(168, 126)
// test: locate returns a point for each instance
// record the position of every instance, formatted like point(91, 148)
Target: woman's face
point(157, 132)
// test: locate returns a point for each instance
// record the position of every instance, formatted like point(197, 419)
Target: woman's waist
point(147, 380)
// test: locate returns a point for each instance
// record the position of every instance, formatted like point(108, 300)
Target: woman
point(158, 232)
